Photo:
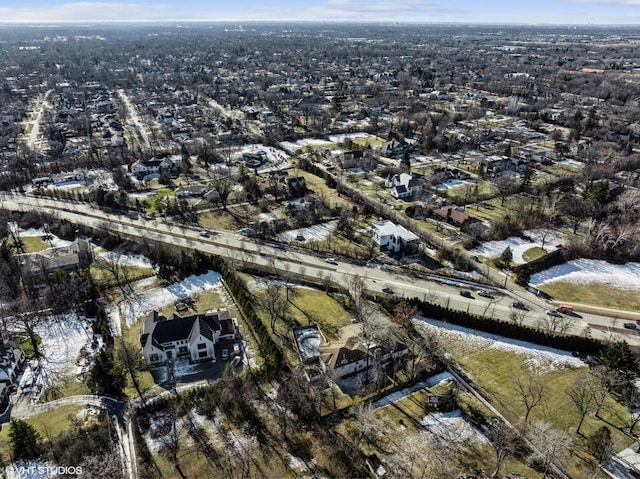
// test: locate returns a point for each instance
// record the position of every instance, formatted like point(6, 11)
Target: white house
point(142, 168)
point(403, 185)
point(393, 238)
point(192, 337)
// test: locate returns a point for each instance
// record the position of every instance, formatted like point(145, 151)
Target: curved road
point(308, 265)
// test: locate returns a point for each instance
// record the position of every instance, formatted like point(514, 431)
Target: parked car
point(465, 293)
point(225, 354)
point(519, 305)
point(387, 290)
point(630, 325)
point(554, 313)
point(485, 294)
point(330, 261)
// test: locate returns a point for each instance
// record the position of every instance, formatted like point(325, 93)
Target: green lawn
point(313, 306)
point(101, 275)
point(31, 244)
point(495, 370)
point(533, 254)
point(596, 294)
point(48, 424)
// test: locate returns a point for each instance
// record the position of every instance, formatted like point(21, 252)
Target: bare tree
point(275, 303)
point(599, 384)
point(518, 315)
point(504, 440)
point(222, 187)
point(554, 324)
point(531, 390)
point(551, 447)
point(582, 398)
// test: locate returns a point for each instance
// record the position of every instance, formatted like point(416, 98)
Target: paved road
point(308, 265)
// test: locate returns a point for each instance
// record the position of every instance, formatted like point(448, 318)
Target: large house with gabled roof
point(191, 337)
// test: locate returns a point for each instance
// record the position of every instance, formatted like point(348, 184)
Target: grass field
point(533, 254)
point(218, 220)
point(48, 424)
point(316, 307)
point(306, 306)
point(101, 275)
point(31, 244)
point(495, 372)
point(593, 293)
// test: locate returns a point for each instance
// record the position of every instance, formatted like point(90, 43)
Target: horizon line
point(323, 21)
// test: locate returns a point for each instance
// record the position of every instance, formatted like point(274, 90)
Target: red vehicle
point(565, 308)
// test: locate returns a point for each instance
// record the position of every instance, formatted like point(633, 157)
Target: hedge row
point(267, 347)
point(524, 271)
point(510, 330)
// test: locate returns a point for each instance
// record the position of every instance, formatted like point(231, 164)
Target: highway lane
point(308, 265)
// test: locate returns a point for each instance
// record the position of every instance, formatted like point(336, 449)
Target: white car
point(330, 261)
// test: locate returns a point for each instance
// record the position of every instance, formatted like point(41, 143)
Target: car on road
point(554, 313)
point(519, 305)
point(205, 234)
point(387, 290)
point(630, 325)
point(330, 261)
point(485, 294)
point(465, 293)
point(225, 354)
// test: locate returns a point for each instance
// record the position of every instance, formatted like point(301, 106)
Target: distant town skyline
point(607, 12)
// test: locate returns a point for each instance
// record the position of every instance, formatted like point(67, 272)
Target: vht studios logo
point(42, 470)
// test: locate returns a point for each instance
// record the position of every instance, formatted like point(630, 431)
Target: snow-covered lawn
point(541, 356)
point(451, 428)
point(137, 260)
point(454, 184)
point(493, 249)
point(316, 232)
point(55, 241)
point(128, 311)
point(333, 139)
point(589, 271)
point(63, 337)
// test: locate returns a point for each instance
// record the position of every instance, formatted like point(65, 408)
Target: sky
point(423, 11)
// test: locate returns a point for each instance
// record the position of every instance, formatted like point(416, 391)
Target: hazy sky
point(472, 11)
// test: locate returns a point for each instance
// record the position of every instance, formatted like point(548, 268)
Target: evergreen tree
point(23, 438)
point(105, 376)
point(618, 356)
point(507, 256)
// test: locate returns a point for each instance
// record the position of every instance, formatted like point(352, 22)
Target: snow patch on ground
point(454, 183)
point(589, 271)
point(55, 241)
point(62, 339)
point(137, 260)
point(451, 428)
point(493, 249)
point(129, 310)
point(542, 356)
point(316, 232)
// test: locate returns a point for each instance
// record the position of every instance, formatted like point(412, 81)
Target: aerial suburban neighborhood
point(319, 250)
